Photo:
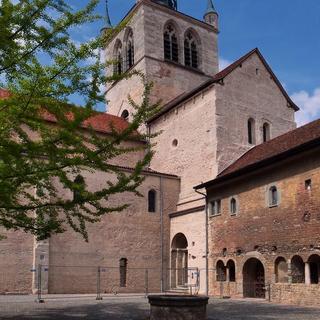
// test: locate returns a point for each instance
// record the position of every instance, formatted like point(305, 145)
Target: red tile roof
point(4, 93)
point(100, 122)
point(274, 150)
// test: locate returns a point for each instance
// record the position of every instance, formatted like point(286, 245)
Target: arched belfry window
point(266, 132)
point(170, 42)
point(191, 57)
point(118, 59)
point(251, 131)
point(129, 50)
point(152, 195)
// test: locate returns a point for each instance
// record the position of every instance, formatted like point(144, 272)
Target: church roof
point(100, 121)
point(277, 149)
point(210, 8)
point(217, 79)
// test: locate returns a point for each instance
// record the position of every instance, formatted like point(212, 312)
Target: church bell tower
point(173, 50)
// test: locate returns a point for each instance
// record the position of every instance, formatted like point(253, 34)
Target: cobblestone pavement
point(136, 308)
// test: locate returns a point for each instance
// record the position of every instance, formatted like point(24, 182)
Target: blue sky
point(286, 31)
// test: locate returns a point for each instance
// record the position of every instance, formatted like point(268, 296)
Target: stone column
point(307, 273)
point(289, 272)
point(227, 274)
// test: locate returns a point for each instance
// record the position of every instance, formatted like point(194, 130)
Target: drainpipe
point(207, 241)
point(161, 231)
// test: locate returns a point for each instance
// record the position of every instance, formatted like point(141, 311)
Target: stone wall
point(16, 262)
point(248, 92)
point(134, 234)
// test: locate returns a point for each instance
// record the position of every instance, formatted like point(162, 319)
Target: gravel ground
point(136, 308)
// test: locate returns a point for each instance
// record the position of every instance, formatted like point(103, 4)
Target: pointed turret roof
point(210, 8)
point(107, 24)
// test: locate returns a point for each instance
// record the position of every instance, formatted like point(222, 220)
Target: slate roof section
point(277, 149)
point(218, 78)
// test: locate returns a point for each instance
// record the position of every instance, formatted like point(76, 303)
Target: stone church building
point(213, 124)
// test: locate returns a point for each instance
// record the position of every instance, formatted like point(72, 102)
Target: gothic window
point(118, 60)
point(129, 51)
point(152, 201)
point(171, 48)
point(79, 184)
point(125, 114)
point(251, 131)
point(221, 272)
point(215, 207)
point(233, 206)
point(297, 270)
point(190, 51)
point(281, 270)
point(266, 132)
point(273, 196)
point(123, 264)
point(232, 270)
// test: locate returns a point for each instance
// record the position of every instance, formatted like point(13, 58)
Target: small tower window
point(251, 131)
point(215, 207)
point(123, 264)
point(171, 49)
point(152, 201)
point(266, 132)
point(308, 184)
point(190, 51)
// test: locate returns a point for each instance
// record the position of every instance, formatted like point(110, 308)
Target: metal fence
point(108, 280)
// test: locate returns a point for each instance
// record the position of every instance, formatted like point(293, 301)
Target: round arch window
point(125, 114)
point(175, 143)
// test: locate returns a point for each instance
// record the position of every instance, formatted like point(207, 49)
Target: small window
point(123, 263)
point(251, 131)
point(308, 184)
point(125, 115)
point(152, 201)
point(233, 206)
point(79, 186)
point(266, 132)
point(129, 51)
point(232, 271)
point(273, 196)
point(215, 207)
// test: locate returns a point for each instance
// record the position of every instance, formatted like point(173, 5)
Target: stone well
point(169, 307)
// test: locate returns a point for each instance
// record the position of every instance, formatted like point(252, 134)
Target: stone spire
point(211, 14)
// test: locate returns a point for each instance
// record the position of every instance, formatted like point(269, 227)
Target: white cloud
point(223, 63)
point(309, 106)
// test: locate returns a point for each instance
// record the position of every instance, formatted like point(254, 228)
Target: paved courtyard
point(136, 308)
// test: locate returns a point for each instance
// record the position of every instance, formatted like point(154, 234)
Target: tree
point(42, 68)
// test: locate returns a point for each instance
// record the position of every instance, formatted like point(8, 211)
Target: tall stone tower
point(174, 51)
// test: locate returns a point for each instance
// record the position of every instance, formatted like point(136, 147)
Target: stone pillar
point(227, 274)
point(40, 258)
point(307, 273)
point(289, 272)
